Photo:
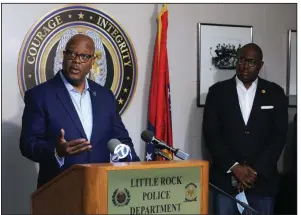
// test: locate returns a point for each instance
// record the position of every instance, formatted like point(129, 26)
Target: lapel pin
point(94, 93)
point(263, 91)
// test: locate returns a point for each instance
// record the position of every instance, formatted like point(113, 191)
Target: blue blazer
point(49, 108)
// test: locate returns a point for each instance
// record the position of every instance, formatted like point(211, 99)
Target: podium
point(154, 187)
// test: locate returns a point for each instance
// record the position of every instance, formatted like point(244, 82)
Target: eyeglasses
point(70, 55)
point(249, 62)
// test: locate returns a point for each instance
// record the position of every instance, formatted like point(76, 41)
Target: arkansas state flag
point(159, 105)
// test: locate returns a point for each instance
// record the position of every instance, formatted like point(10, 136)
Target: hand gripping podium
point(154, 187)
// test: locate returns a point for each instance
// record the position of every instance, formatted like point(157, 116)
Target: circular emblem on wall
point(41, 54)
point(121, 197)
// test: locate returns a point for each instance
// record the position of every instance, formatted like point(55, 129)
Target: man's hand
point(245, 175)
point(252, 175)
point(64, 148)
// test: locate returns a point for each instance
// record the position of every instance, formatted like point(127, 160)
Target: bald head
point(254, 47)
point(74, 40)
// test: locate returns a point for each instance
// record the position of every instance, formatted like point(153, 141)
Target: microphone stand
point(249, 210)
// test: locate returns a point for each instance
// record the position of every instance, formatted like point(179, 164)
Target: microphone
point(149, 137)
point(162, 154)
point(118, 150)
point(248, 209)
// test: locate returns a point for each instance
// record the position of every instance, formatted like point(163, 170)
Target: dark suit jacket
point(259, 143)
point(49, 108)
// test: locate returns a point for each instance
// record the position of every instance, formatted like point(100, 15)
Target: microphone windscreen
point(147, 136)
point(112, 144)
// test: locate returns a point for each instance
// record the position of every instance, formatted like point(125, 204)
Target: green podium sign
point(155, 191)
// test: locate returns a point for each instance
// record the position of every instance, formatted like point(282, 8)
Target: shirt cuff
point(60, 160)
point(232, 167)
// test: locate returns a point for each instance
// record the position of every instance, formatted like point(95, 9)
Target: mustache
point(244, 71)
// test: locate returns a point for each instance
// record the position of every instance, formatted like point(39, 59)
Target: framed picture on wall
point(217, 49)
point(291, 77)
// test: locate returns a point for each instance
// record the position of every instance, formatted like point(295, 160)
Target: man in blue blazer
point(70, 119)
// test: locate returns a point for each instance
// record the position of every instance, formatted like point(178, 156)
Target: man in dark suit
point(70, 119)
point(245, 125)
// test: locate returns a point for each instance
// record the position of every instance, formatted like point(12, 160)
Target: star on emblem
point(128, 78)
point(29, 76)
point(80, 15)
point(120, 101)
point(91, 17)
point(70, 16)
point(148, 156)
point(125, 90)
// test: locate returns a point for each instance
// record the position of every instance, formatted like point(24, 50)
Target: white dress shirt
point(246, 100)
point(83, 106)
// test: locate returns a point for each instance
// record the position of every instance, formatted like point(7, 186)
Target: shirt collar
point(69, 86)
point(241, 85)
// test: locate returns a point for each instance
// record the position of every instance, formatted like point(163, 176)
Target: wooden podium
point(85, 189)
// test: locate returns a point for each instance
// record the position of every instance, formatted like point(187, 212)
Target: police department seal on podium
point(190, 192)
point(121, 197)
point(41, 54)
